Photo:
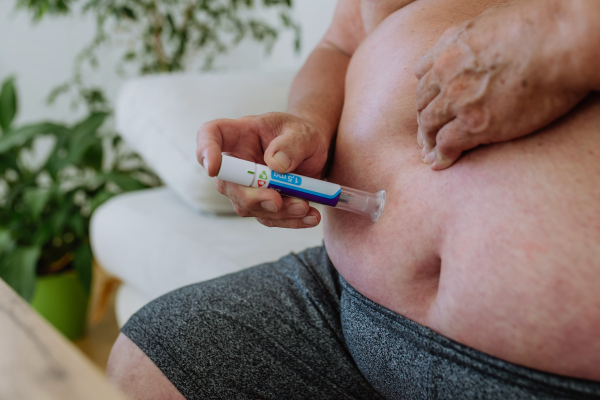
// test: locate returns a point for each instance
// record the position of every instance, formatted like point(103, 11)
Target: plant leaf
point(20, 136)
point(43, 233)
point(76, 222)
point(18, 270)
point(8, 103)
point(78, 149)
point(59, 219)
point(36, 199)
point(90, 124)
point(93, 156)
point(100, 198)
point(6, 241)
point(125, 182)
point(83, 137)
point(83, 266)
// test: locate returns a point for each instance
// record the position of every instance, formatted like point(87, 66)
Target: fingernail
point(297, 209)
point(268, 205)
point(419, 137)
point(310, 220)
point(424, 154)
point(205, 164)
point(430, 158)
point(283, 159)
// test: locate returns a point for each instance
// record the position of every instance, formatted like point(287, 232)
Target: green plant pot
point(62, 300)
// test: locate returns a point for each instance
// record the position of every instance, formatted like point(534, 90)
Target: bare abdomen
point(500, 252)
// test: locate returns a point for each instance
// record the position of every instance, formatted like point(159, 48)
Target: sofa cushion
point(154, 243)
point(158, 116)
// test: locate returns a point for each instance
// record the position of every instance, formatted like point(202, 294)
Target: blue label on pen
point(287, 178)
point(310, 189)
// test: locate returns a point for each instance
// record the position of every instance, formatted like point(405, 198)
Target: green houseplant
point(46, 204)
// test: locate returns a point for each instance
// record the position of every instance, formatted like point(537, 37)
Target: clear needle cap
point(361, 202)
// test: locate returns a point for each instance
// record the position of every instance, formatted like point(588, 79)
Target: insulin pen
point(247, 173)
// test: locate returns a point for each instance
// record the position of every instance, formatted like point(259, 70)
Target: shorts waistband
point(390, 348)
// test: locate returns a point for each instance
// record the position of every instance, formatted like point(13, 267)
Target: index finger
point(222, 135)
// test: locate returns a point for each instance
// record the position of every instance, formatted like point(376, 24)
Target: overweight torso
point(500, 252)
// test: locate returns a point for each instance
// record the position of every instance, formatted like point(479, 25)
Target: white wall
point(41, 55)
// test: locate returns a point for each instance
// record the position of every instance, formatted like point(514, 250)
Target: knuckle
point(297, 134)
point(269, 122)
point(304, 141)
point(246, 199)
point(437, 114)
point(201, 130)
point(204, 128)
point(454, 29)
point(304, 131)
point(446, 156)
point(220, 185)
point(429, 142)
point(454, 137)
point(441, 64)
point(200, 135)
point(241, 211)
point(425, 62)
point(477, 119)
point(427, 90)
point(248, 119)
point(421, 91)
point(450, 33)
point(425, 122)
point(245, 203)
point(271, 115)
point(423, 82)
point(449, 141)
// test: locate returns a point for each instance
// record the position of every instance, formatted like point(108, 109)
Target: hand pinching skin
point(510, 71)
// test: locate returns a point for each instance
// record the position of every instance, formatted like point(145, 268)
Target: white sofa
point(160, 239)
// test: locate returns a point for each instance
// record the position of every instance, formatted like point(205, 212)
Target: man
point(478, 281)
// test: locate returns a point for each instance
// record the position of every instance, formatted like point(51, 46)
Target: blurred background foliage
point(53, 176)
point(165, 35)
point(46, 200)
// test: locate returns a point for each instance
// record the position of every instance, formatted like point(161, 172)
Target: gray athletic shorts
point(294, 329)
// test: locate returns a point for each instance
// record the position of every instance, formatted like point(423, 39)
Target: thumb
point(301, 149)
